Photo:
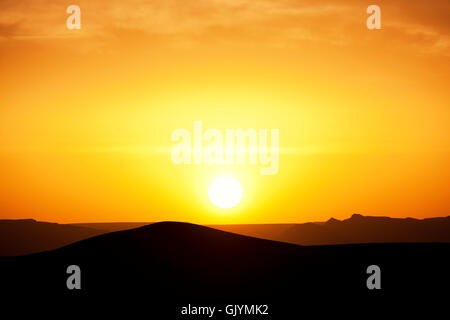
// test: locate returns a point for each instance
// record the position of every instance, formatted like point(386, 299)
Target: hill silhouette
point(111, 226)
point(362, 229)
point(171, 264)
point(356, 229)
point(19, 237)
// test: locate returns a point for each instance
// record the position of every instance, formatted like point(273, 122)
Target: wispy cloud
point(232, 22)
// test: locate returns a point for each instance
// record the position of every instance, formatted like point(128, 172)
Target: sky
point(86, 116)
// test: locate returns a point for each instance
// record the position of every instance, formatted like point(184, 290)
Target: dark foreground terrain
point(170, 265)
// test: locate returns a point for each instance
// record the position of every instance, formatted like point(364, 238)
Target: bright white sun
point(225, 192)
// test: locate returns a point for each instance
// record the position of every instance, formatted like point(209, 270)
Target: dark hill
point(172, 264)
point(19, 237)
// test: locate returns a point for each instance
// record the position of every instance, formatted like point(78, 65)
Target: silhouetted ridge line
point(173, 262)
point(19, 237)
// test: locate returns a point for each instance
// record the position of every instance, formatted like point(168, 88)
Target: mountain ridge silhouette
point(169, 264)
point(25, 236)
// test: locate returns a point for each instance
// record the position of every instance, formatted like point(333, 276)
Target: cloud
point(423, 39)
point(230, 22)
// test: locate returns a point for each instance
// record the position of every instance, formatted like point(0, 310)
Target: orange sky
point(86, 115)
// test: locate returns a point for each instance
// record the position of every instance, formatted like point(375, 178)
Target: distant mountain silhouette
point(19, 237)
point(356, 229)
point(263, 231)
point(169, 264)
point(111, 226)
point(361, 229)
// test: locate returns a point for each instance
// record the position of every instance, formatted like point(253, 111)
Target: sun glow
point(225, 192)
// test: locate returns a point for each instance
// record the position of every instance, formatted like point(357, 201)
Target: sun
point(225, 192)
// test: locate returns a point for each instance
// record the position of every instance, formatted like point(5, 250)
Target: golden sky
point(86, 115)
